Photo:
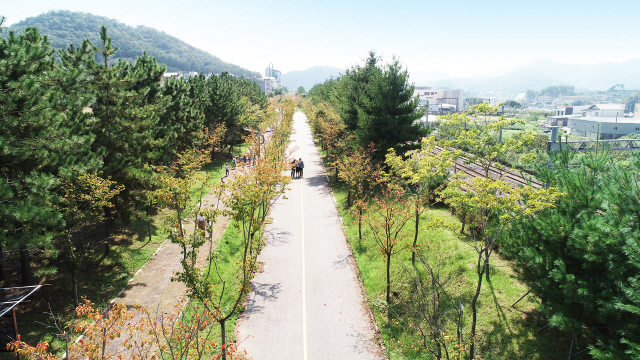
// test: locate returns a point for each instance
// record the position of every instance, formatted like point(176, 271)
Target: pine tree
point(42, 139)
point(388, 115)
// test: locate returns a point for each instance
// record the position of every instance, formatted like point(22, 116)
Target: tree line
point(574, 243)
point(77, 124)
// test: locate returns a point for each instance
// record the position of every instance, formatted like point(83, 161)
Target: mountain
point(67, 27)
point(542, 73)
point(427, 78)
point(590, 76)
point(513, 82)
point(309, 77)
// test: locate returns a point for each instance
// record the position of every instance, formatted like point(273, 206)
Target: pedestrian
point(254, 160)
point(233, 162)
point(222, 180)
point(301, 167)
point(293, 168)
point(202, 223)
point(226, 169)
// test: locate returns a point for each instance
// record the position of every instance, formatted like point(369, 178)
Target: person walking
point(226, 169)
point(233, 162)
point(202, 223)
point(301, 167)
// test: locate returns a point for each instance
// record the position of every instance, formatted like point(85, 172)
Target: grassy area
point(101, 278)
point(504, 332)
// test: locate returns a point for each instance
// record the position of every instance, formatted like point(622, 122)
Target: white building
point(607, 120)
point(440, 100)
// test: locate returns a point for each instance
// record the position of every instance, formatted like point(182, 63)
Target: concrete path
point(307, 303)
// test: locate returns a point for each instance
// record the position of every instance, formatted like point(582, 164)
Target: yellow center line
point(304, 287)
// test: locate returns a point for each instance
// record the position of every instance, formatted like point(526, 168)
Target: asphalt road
point(307, 303)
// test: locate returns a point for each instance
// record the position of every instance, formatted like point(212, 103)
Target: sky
point(458, 37)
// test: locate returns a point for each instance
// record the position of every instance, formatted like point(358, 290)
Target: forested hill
point(67, 27)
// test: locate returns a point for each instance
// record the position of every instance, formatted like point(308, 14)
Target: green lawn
point(503, 332)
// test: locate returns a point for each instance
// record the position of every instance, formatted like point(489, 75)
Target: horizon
point(244, 40)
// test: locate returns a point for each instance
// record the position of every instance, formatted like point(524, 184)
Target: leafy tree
point(531, 95)
point(323, 91)
point(83, 202)
point(480, 138)
point(301, 90)
point(512, 104)
point(423, 173)
point(631, 101)
point(387, 115)
point(495, 205)
point(556, 91)
point(386, 216)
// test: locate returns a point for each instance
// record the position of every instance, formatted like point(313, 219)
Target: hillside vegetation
point(66, 27)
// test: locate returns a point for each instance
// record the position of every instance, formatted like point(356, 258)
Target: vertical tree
point(423, 173)
point(44, 138)
point(387, 116)
point(386, 216)
point(495, 205)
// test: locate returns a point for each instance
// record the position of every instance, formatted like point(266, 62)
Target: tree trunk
point(107, 230)
point(149, 225)
point(415, 238)
point(2, 274)
point(349, 196)
point(360, 228)
point(74, 281)
point(223, 340)
point(389, 287)
point(184, 246)
point(474, 309)
point(25, 266)
point(486, 263)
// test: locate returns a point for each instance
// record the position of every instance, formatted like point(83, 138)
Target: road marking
point(304, 287)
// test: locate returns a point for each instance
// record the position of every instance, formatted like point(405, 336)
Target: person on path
point(300, 167)
point(293, 168)
point(226, 169)
point(254, 160)
point(202, 223)
point(233, 162)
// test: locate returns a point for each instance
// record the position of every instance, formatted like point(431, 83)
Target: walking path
point(307, 303)
point(152, 287)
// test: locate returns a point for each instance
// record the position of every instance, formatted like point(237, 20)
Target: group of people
point(297, 168)
point(241, 160)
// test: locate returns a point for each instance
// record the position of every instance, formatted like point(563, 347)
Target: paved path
point(307, 303)
point(152, 287)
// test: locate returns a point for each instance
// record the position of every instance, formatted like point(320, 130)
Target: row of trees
point(81, 138)
point(578, 253)
point(217, 289)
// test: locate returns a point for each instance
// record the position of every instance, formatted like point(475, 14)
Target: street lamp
point(261, 133)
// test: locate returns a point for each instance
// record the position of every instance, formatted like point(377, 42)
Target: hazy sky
point(458, 37)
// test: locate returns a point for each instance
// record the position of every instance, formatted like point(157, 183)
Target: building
point(563, 113)
point(269, 72)
point(607, 120)
point(440, 100)
point(266, 83)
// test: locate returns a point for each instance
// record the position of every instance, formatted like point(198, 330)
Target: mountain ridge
point(64, 27)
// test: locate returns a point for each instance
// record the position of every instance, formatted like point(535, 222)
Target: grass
point(100, 279)
point(503, 332)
